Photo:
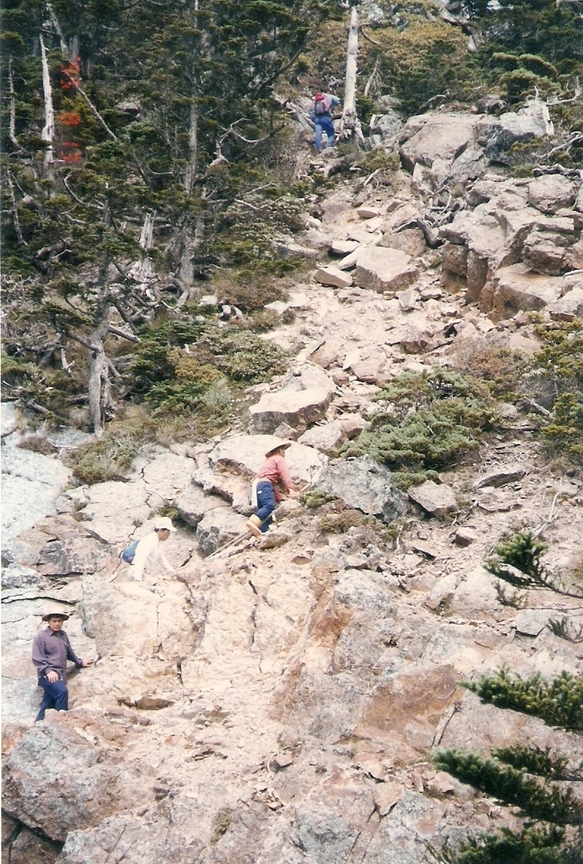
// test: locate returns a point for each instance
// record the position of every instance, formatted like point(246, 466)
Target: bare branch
point(92, 107)
point(100, 207)
point(370, 39)
point(15, 217)
point(131, 337)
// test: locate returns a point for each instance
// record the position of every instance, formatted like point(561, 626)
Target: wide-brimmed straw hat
point(62, 615)
point(283, 446)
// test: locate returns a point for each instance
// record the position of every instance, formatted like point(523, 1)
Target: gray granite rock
point(365, 485)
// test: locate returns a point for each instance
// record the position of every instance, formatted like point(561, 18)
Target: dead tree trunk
point(99, 385)
point(48, 131)
point(189, 239)
point(142, 270)
point(58, 31)
point(350, 124)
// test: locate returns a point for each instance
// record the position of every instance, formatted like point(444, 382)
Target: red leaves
point(70, 74)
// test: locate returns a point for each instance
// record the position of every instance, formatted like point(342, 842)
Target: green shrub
point(500, 368)
point(107, 457)
point(262, 322)
point(193, 366)
point(340, 523)
point(560, 360)
point(430, 421)
point(533, 760)
point(314, 498)
point(522, 552)
point(221, 824)
point(249, 290)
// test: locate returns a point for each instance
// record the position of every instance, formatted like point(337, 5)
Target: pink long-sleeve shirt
point(275, 469)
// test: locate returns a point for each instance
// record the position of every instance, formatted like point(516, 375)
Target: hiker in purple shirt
point(50, 651)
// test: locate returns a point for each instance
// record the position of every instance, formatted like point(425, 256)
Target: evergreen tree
point(525, 777)
point(127, 134)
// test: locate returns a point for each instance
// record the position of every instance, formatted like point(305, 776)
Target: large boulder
point(426, 138)
point(304, 376)
point(546, 252)
point(9, 418)
point(31, 483)
point(132, 620)
point(384, 269)
point(333, 276)
point(521, 126)
point(114, 508)
point(298, 409)
point(58, 779)
point(167, 474)
point(365, 485)
point(516, 288)
point(194, 503)
point(217, 528)
point(570, 305)
point(74, 553)
point(437, 499)
point(325, 437)
point(551, 192)
point(384, 128)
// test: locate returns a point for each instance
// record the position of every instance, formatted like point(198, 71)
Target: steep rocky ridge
point(278, 701)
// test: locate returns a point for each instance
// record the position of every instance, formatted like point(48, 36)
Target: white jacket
point(149, 554)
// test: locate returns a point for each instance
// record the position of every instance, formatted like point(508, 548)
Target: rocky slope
point(278, 701)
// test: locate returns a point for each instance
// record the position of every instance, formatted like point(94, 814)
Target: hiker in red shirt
point(272, 483)
point(322, 118)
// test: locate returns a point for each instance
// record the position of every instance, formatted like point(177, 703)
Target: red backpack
point(321, 104)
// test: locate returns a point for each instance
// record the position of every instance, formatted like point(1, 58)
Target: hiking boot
point(253, 523)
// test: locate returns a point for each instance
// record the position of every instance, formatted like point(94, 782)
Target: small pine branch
point(557, 703)
point(517, 562)
point(511, 787)
point(534, 761)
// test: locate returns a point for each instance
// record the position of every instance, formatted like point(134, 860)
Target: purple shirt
point(50, 652)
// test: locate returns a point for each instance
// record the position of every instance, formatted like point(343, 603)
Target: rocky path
point(279, 702)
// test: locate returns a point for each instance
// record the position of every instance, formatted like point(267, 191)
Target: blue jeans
point(266, 504)
point(55, 696)
point(323, 124)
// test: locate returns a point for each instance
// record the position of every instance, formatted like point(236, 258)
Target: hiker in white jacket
point(148, 551)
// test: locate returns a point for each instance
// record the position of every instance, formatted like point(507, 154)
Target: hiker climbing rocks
point(272, 482)
point(50, 651)
point(321, 114)
point(148, 553)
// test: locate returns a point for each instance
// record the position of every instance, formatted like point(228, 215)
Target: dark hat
point(283, 446)
point(62, 615)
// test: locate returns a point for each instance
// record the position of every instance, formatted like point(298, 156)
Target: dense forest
point(150, 155)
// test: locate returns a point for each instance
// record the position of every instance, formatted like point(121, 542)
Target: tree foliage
point(162, 117)
point(533, 780)
point(558, 702)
